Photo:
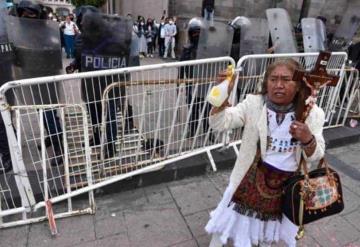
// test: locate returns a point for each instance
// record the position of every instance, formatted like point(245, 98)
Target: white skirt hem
point(246, 231)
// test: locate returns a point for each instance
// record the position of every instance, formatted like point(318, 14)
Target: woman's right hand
point(222, 76)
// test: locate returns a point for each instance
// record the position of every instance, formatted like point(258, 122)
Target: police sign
point(100, 62)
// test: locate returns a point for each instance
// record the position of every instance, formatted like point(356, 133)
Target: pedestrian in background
point(170, 32)
point(141, 29)
point(150, 35)
point(70, 30)
point(208, 9)
point(161, 36)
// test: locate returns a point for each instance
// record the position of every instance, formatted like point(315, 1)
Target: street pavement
point(174, 214)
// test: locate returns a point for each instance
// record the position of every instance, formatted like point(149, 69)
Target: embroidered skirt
point(251, 213)
point(259, 193)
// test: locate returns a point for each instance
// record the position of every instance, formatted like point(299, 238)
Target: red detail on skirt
point(259, 193)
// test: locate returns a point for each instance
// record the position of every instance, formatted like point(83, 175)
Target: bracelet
point(307, 143)
point(310, 144)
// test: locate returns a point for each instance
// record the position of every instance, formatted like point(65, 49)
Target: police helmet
point(29, 9)
point(194, 27)
point(240, 22)
point(81, 11)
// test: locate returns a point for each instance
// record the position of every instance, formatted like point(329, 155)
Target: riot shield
point(293, 8)
point(38, 53)
point(134, 50)
point(281, 30)
point(254, 38)
point(347, 29)
point(215, 41)
point(314, 34)
point(6, 55)
point(106, 45)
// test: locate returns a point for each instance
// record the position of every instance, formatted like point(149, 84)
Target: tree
point(96, 3)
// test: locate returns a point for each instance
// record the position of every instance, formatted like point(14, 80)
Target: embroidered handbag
point(312, 196)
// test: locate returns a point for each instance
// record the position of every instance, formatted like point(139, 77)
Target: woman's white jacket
point(251, 114)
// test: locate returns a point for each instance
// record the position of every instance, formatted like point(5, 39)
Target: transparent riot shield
point(314, 34)
point(37, 53)
point(134, 50)
point(347, 29)
point(215, 41)
point(255, 37)
point(281, 30)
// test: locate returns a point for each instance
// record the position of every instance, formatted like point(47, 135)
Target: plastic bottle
point(219, 93)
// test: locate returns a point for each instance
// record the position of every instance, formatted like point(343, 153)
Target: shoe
point(212, 138)
point(94, 142)
point(5, 164)
point(212, 28)
point(47, 143)
point(110, 151)
point(68, 56)
point(165, 56)
point(57, 159)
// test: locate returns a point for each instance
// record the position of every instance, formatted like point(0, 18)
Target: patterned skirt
point(259, 193)
point(250, 214)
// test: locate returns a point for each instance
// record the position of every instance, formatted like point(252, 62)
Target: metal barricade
point(147, 117)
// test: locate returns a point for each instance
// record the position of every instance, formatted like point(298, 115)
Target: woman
point(70, 30)
point(249, 212)
point(150, 34)
point(142, 40)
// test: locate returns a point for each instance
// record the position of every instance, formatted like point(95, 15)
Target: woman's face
point(281, 90)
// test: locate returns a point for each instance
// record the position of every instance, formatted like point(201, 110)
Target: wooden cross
point(316, 78)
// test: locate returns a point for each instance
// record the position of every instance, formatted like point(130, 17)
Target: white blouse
point(281, 148)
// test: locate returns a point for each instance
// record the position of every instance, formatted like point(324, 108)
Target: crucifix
point(316, 79)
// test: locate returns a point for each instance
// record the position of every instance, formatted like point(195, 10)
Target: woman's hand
point(301, 132)
point(222, 76)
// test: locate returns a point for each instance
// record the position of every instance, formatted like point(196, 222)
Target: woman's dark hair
point(303, 91)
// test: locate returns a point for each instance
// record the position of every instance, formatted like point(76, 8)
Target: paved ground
point(174, 214)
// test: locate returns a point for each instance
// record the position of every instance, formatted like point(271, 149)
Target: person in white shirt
point(170, 32)
point(70, 30)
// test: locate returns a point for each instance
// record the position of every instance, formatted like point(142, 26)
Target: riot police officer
point(31, 63)
point(101, 40)
point(189, 53)
point(6, 60)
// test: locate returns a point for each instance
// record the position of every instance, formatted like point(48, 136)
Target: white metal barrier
point(75, 133)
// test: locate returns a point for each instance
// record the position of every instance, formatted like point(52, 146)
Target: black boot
point(95, 140)
point(109, 150)
point(47, 143)
point(57, 159)
point(5, 164)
